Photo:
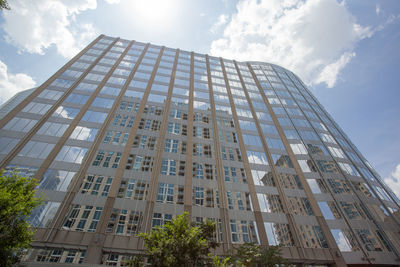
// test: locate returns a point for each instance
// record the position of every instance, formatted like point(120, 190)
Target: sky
point(347, 52)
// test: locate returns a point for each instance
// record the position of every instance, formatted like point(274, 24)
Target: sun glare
point(153, 11)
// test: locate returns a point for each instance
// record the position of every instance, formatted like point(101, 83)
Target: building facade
point(14, 101)
point(127, 135)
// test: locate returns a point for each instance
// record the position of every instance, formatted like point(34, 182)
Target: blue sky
point(346, 51)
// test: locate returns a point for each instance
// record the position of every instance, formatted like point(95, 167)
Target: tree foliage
point(182, 243)
point(136, 261)
point(271, 257)
point(17, 200)
point(179, 243)
point(246, 254)
point(4, 5)
point(250, 254)
point(218, 261)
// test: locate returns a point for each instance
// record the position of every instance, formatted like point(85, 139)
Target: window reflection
point(345, 240)
point(270, 203)
point(278, 234)
point(56, 180)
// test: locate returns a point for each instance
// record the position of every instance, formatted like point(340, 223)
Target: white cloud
point(315, 38)
point(394, 181)
point(222, 20)
point(33, 26)
point(111, 2)
point(378, 9)
point(11, 84)
point(330, 72)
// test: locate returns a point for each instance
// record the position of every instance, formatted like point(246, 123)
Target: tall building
point(14, 101)
point(127, 135)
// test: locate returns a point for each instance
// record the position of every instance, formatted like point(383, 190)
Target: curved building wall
point(127, 135)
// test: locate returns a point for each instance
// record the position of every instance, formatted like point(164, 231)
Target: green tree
point(17, 200)
point(220, 261)
point(246, 254)
point(136, 261)
point(4, 5)
point(271, 257)
point(250, 254)
point(179, 243)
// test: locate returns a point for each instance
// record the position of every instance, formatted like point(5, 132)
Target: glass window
point(326, 211)
point(66, 112)
point(156, 98)
point(268, 129)
point(270, 203)
point(36, 108)
point(304, 166)
point(252, 140)
point(62, 83)
point(87, 87)
point(6, 144)
point(312, 236)
point(300, 206)
point(53, 129)
point(369, 240)
point(299, 149)
point(327, 138)
point(316, 186)
point(180, 91)
point(94, 77)
point(142, 75)
point(308, 135)
point(201, 105)
point(171, 146)
point(290, 181)
point(20, 124)
point(138, 84)
point(84, 133)
point(247, 125)
point(165, 193)
point(318, 149)
point(342, 240)
point(257, 157)
point(134, 94)
point(204, 95)
point(94, 116)
point(263, 116)
point(159, 219)
point(77, 98)
point(274, 143)
point(56, 180)
point(244, 113)
point(291, 134)
point(50, 94)
point(159, 88)
point(262, 178)
point(348, 168)
point(34, 149)
point(280, 160)
point(71, 154)
point(278, 234)
point(43, 215)
point(103, 102)
point(116, 80)
point(168, 167)
point(352, 210)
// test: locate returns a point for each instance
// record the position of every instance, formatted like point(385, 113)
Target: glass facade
point(128, 135)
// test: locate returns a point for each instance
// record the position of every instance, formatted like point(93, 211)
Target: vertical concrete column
point(252, 190)
point(226, 233)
